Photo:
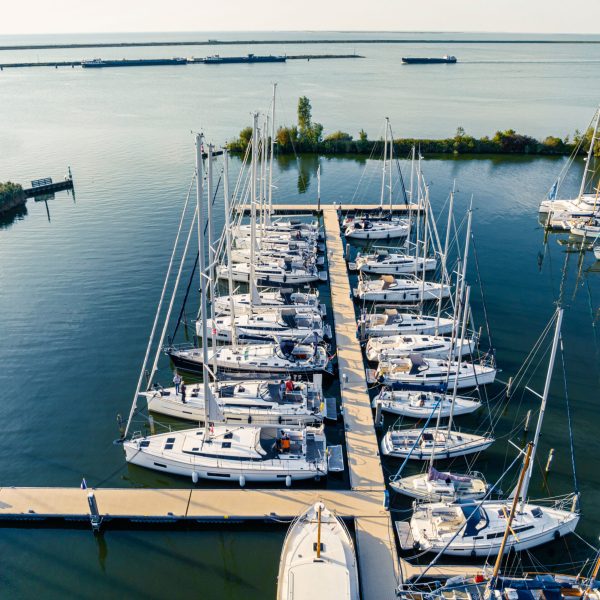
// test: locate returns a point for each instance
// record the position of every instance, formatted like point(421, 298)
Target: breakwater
point(354, 41)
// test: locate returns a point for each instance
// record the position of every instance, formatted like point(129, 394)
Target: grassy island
point(308, 136)
point(11, 195)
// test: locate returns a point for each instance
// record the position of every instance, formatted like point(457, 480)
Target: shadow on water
point(18, 213)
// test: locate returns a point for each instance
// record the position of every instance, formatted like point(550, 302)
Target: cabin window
point(144, 444)
point(168, 446)
point(228, 436)
point(226, 445)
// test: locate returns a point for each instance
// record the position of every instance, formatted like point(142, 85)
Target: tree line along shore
point(308, 136)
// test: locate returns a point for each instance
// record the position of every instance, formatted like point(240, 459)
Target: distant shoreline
point(280, 42)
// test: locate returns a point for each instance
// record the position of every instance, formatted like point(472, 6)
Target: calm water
point(78, 288)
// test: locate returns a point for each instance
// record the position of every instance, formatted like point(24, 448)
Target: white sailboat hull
point(331, 576)
point(396, 266)
point(388, 348)
point(401, 444)
point(530, 531)
point(472, 376)
point(379, 231)
point(394, 326)
point(402, 293)
point(421, 405)
point(249, 407)
point(421, 488)
point(153, 452)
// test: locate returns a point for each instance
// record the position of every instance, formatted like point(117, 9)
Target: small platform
point(405, 536)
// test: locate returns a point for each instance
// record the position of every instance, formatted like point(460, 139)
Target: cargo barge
point(98, 63)
point(249, 58)
point(447, 60)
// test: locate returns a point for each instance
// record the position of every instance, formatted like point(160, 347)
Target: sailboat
point(281, 358)
point(384, 262)
point(419, 404)
point(382, 226)
point(284, 300)
point(318, 558)
point(276, 272)
point(268, 326)
point(400, 346)
point(584, 205)
point(392, 323)
point(406, 290)
point(438, 486)
point(298, 256)
point(422, 444)
point(478, 529)
point(416, 370)
point(258, 401)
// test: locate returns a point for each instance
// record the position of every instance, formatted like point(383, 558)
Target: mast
point(465, 312)
point(385, 141)
point(263, 181)
point(526, 464)
point(252, 277)
point(203, 277)
point(228, 244)
point(425, 227)
point(590, 154)
point(536, 437)
point(418, 219)
point(412, 171)
point(271, 154)
point(319, 532)
point(390, 163)
point(211, 252)
point(444, 258)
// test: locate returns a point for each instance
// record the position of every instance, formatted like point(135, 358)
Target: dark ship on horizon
point(446, 59)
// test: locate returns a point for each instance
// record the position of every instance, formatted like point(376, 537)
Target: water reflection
point(7, 218)
point(102, 550)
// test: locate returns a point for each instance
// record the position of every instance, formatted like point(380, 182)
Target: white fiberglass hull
point(421, 405)
point(388, 348)
point(250, 331)
point(396, 266)
point(433, 526)
point(151, 452)
point(378, 231)
point(575, 208)
point(288, 303)
point(421, 487)
point(249, 406)
point(440, 444)
point(256, 359)
point(402, 292)
point(333, 575)
point(378, 325)
point(240, 273)
point(470, 376)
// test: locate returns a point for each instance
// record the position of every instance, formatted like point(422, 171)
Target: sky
point(94, 16)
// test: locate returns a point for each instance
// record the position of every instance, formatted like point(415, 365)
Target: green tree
point(338, 136)
point(286, 138)
point(304, 116)
point(245, 136)
point(362, 135)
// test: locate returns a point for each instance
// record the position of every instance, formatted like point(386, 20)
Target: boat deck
point(380, 568)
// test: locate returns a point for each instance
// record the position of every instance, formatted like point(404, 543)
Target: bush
point(338, 136)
